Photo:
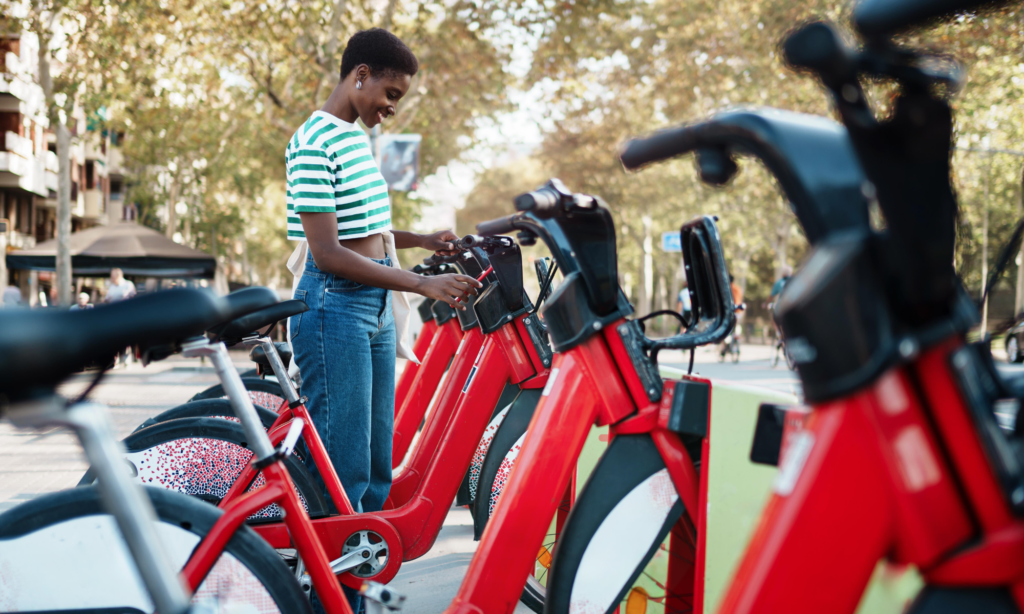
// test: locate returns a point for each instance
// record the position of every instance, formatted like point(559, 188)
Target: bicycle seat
point(258, 356)
point(252, 322)
point(41, 348)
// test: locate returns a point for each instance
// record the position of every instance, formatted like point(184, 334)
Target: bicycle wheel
point(207, 408)
point(467, 490)
point(613, 549)
point(202, 457)
point(263, 393)
point(511, 429)
point(789, 359)
point(63, 552)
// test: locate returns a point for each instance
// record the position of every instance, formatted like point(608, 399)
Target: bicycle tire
point(468, 488)
point(789, 359)
point(207, 408)
point(628, 506)
point(75, 531)
point(262, 392)
point(506, 435)
point(202, 457)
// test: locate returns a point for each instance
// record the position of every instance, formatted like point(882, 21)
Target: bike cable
point(544, 287)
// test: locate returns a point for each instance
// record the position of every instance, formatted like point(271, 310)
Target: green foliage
point(621, 68)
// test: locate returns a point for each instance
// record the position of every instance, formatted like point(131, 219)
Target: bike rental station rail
point(598, 479)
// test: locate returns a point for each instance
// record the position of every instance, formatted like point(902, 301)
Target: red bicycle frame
point(280, 490)
point(419, 349)
point(587, 386)
point(424, 382)
point(484, 364)
point(901, 464)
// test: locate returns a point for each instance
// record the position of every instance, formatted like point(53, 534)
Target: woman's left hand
point(441, 242)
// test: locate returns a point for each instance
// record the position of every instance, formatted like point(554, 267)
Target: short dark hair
point(381, 50)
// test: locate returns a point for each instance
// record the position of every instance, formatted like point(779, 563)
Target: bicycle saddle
point(284, 350)
point(249, 324)
point(41, 348)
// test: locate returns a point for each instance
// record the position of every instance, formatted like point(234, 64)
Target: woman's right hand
point(449, 287)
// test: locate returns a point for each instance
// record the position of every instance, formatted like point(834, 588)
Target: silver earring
point(359, 85)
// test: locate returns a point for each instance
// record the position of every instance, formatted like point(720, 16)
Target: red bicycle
point(505, 354)
point(605, 373)
point(901, 456)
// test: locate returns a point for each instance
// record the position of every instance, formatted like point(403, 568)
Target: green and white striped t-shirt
point(331, 169)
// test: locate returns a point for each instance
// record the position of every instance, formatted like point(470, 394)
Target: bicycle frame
point(425, 381)
point(934, 501)
point(410, 528)
point(419, 349)
point(277, 489)
point(587, 386)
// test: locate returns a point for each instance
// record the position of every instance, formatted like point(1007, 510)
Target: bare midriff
point(370, 247)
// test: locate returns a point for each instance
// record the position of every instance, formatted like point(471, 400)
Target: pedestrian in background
point(82, 303)
point(12, 297)
point(118, 288)
point(786, 273)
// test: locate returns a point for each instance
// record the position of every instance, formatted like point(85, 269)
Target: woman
point(338, 202)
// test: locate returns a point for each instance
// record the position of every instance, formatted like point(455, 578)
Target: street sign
point(400, 160)
point(671, 242)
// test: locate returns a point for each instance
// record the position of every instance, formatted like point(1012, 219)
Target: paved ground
point(753, 369)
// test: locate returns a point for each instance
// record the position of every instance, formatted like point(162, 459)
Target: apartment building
point(28, 165)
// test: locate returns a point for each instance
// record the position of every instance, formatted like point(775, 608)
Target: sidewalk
point(33, 462)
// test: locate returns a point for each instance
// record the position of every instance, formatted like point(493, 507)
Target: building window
point(12, 45)
point(25, 215)
point(90, 175)
point(10, 122)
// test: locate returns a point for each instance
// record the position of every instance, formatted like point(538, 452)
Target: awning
point(135, 249)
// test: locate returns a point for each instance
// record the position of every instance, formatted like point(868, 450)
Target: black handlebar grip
point(541, 201)
point(661, 145)
point(469, 241)
point(500, 226)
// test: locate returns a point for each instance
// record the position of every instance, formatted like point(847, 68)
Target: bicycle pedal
point(380, 599)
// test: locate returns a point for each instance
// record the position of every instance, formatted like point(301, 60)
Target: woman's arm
point(440, 241)
point(321, 231)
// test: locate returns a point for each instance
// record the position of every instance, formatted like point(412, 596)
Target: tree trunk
point(646, 271)
point(1018, 303)
point(984, 252)
point(172, 213)
point(781, 246)
point(63, 265)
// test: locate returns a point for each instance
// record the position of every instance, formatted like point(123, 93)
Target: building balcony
point(27, 174)
point(13, 164)
point(18, 145)
point(94, 206)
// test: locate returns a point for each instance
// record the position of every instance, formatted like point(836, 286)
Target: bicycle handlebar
point(661, 145)
point(500, 226)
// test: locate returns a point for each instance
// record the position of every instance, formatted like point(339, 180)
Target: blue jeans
point(345, 349)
